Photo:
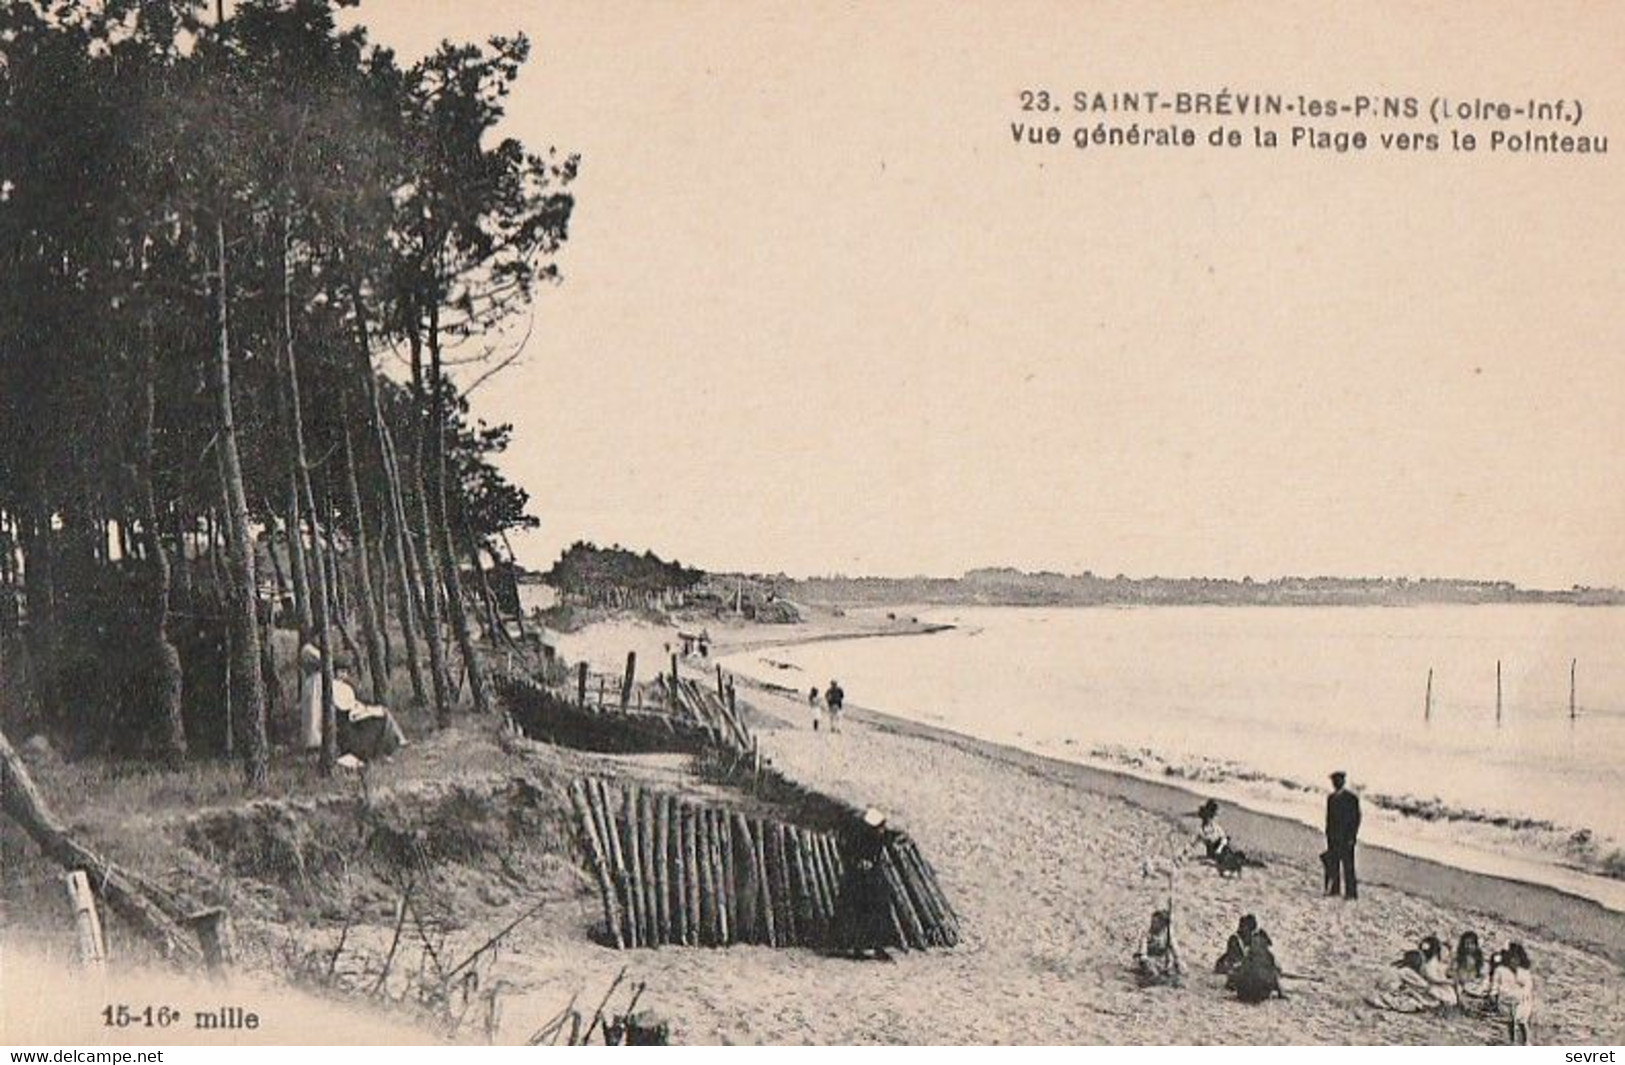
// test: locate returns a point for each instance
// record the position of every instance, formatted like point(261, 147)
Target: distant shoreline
point(1005, 587)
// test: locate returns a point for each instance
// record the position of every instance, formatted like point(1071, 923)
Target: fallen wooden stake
point(87, 922)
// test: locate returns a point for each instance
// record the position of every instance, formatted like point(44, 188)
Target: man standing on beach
point(1342, 828)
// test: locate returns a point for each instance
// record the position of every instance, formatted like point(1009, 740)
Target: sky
point(819, 314)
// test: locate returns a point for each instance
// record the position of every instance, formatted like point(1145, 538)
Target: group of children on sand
point(1431, 978)
point(1248, 963)
point(1428, 978)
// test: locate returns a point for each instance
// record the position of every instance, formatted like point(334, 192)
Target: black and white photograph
point(551, 523)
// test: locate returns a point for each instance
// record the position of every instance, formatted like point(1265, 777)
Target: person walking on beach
point(1342, 829)
point(834, 699)
point(812, 704)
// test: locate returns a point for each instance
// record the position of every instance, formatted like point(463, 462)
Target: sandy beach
point(1047, 864)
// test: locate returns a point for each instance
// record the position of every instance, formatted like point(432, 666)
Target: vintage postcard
point(548, 523)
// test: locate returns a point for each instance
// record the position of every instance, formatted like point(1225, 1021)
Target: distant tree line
point(1012, 587)
point(614, 576)
point(215, 229)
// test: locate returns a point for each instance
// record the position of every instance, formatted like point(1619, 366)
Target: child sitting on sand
point(1157, 961)
point(1467, 970)
point(1235, 950)
point(1258, 977)
point(1215, 843)
point(1512, 989)
point(1419, 982)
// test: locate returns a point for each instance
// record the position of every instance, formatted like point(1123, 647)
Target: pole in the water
point(1573, 664)
point(1427, 704)
point(1497, 691)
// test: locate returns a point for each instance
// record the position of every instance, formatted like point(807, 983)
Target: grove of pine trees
point(217, 229)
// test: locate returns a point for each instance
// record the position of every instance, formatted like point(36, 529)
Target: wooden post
point(1497, 691)
point(769, 918)
point(581, 684)
point(676, 688)
point(92, 947)
point(722, 691)
point(634, 864)
point(1427, 705)
point(791, 927)
point(617, 859)
point(696, 887)
point(1574, 664)
point(745, 889)
point(651, 866)
point(602, 683)
point(912, 926)
point(719, 895)
point(663, 867)
point(730, 879)
point(627, 681)
point(679, 889)
point(600, 862)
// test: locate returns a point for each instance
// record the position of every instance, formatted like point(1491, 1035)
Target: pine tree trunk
point(370, 625)
point(410, 610)
point(424, 549)
point(441, 530)
point(249, 697)
point(380, 590)
point(321, 612)
point(408, 588)
point(293, 522)
point(167, 676)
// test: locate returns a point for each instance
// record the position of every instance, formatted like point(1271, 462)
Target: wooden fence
point(672, 871)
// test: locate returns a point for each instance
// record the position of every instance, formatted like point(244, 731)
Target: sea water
point(1259, 704)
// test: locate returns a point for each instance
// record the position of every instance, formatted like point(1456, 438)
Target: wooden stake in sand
point(765, 904)
point(600, 862)
point(720, 876)
point(634, 864)
point(627, 681)
point(1427, 700)
point(747, 892)
point(680, 928)
point(730, 879)
point(662, 804)
point(787, 892)
point(92, 947)
point(691, 876)
point(1574, 664)
point(647, 864)
point(581, 684)
point(617, 859)
point(708, 877)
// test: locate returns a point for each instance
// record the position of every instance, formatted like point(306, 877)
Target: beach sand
point(1046, 863)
